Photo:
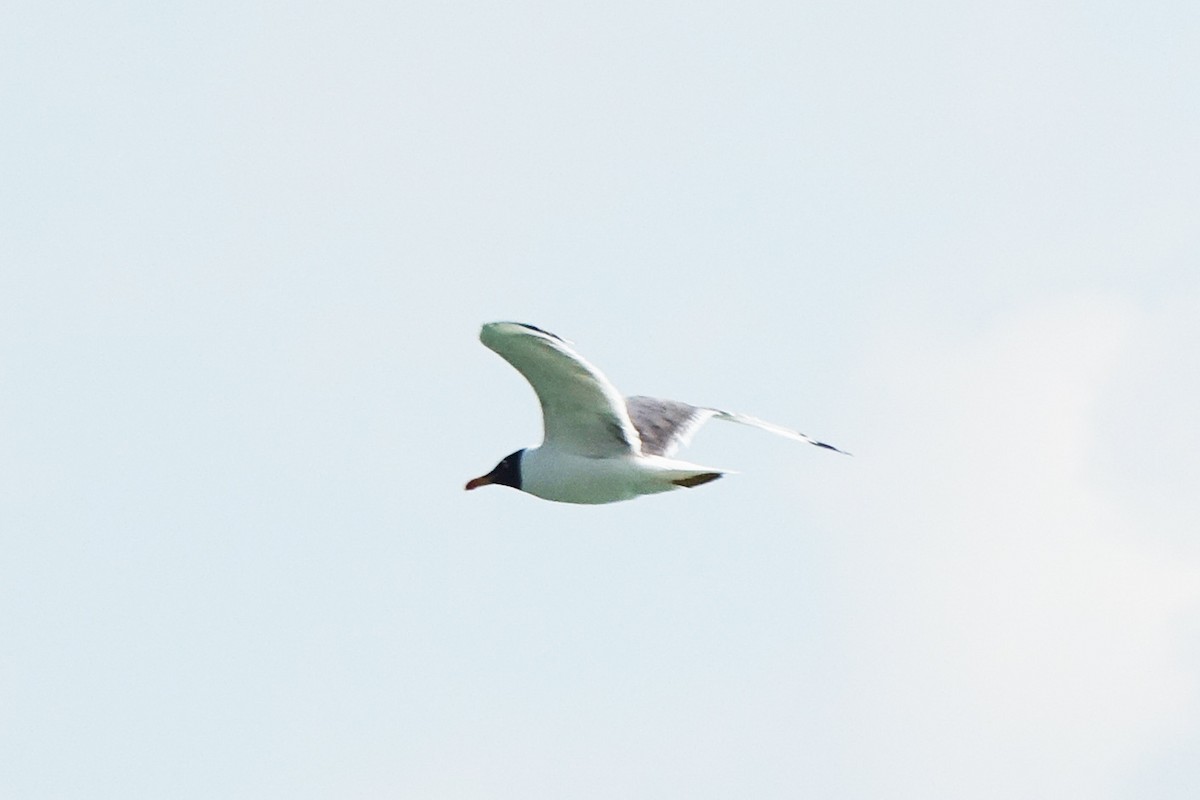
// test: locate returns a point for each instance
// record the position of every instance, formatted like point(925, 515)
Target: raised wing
point(581, 411)
point(666, 425)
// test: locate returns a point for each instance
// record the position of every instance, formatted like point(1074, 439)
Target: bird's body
point(554, 474)
point(599, 447)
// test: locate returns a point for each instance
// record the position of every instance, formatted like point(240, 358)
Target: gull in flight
point(599, 447)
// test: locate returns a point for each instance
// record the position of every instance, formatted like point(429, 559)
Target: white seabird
point(599, 447)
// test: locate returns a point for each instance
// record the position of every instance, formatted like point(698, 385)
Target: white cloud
point(1014, 630)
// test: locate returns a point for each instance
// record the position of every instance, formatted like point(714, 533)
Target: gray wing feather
point(666, 425)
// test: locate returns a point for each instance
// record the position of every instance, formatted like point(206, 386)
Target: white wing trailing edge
point(779, 430)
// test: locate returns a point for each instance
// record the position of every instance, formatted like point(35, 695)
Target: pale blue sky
point(245, 249)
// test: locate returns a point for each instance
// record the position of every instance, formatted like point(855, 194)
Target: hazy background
point(245, 249)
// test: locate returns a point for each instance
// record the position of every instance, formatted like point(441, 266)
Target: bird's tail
point(699, 479)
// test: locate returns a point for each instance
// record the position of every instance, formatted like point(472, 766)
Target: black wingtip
point(831, 447)
point(540, 330)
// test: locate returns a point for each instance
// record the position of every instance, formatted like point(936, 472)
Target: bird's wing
point(779, 430)
point(581, 411)
point(666, 425)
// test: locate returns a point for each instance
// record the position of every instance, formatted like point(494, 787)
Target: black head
point(506, 473)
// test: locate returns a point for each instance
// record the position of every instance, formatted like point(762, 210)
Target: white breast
point(570, 478)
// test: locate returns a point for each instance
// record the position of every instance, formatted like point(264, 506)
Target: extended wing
point(666, 425)
point(581, 411)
